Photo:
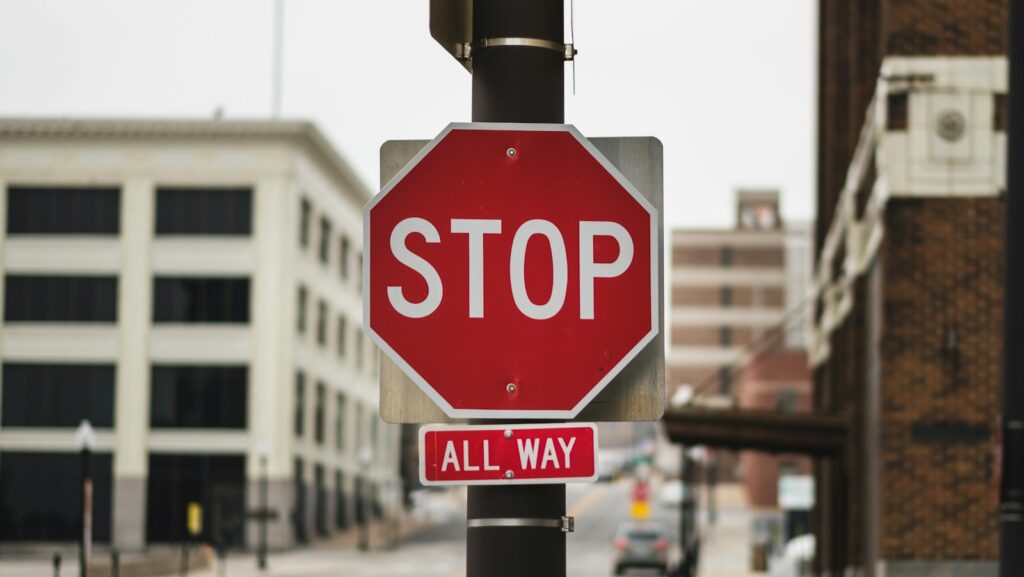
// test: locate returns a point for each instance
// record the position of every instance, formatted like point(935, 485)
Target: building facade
point(193, 289)
point(907, 338)
point(731, 290)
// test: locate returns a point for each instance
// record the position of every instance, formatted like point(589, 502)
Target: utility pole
point(518, 76)
point(85, 440)
point(1011, 491)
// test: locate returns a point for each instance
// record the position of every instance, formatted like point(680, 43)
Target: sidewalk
point(725, 547)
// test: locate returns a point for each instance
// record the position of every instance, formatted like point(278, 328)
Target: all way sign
point(508, 454)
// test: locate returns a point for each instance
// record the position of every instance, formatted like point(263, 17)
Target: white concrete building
point(193, 288)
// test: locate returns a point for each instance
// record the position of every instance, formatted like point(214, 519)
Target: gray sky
point(727, 85)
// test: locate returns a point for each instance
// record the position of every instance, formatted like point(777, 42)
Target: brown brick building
point(908, 318)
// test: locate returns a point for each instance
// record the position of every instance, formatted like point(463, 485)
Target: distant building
point(736, 293)
point(193, 289)
point(907, 342)
point(731, 290)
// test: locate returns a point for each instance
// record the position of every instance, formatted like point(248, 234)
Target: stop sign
point(511, 271)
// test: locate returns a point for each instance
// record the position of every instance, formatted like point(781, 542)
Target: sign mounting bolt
point(508, 433)
point(509, 474)
point(511, 152)
point(511, 388)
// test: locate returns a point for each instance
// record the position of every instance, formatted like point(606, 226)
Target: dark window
point(343, 257)
point(359, 271)
point(303, 296)
point(199, 397)
point(342, 336)
point(205, 210)
point(339, 423)
point(787, 400)
point(200, 300)
point(325, 240)
point(57, 395)
point(725, 296)
point(61, 298)
point(321, 500)
point(340, 506)
point(300, 402)
point(216, 482)
point(63, 210)
point(41, 499)
point(321, 323)
point(725, 380)
point(725, 336)
point(726, 256)
point(305, 214)
point(359, 349)
point(299, 510)
point(318, 414)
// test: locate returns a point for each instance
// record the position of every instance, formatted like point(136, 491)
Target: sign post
point(512, 272)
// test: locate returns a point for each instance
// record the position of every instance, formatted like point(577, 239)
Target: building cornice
point(302, 132)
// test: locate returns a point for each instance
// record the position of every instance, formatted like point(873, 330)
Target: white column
point(271, 374)
point(134, 311)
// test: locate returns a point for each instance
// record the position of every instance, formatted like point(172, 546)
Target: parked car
point(641, 545)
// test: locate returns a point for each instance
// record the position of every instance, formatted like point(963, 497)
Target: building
point(192, 288)
point(736, 293)
point(907, 340)
point(729, 287)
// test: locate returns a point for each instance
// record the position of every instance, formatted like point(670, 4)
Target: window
point(725, 380)
point(208, 397)
point(301, 313)
point(299, 510)
point(216, 482)
point(359, 349)
point(305, 214)
point(204, 211)
point(321, 499)
point(726, 256)
point(342, 336)
point(200, 300)
point(325, 240)
point(359, 261)
point(318, 414)
point(300, 402)
point(63, 210)
point(41, 499)
point(725, 336)
point(787, 401)
point(60, 299)
point(57, 395)
point(725, 296)
point(343, 257)
point(340, 508)
point(339, 423)
point(321, 323)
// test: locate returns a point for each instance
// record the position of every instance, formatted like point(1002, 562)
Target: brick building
point(908, 318)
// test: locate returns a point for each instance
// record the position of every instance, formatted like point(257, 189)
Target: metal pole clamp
point(464, 50)
point(565, 524)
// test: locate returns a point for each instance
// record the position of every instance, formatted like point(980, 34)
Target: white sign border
point(425, 386)
point(515, 427)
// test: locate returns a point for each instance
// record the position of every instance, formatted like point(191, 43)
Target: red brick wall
point(943, 262)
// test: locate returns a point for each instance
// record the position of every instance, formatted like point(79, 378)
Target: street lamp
point(85, 440)
point(261, 551)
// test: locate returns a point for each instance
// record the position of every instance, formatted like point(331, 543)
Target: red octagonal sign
point(511, 271)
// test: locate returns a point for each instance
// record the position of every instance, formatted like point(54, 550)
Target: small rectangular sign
point(508, 454)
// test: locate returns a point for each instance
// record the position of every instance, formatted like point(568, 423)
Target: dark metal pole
point(517, 84)
point(1011, 491)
